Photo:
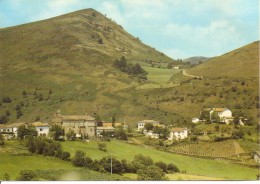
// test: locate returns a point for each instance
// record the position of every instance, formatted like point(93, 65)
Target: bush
point(79, 158)
point(172, 168)
point(162, 165)
point(65, 156)
point(116, 165)
point(151, 173)
point(26, 175)
point(6, 99)
point(102, 147)
point(6, 177)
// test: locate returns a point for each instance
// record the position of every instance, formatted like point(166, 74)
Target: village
point(86, 126)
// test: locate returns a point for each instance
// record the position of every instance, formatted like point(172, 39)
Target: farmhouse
point(106, 124)
point(10, 130)
point(178, 133)
point(224, 114)
point(140, 124)
point(257, 156)
point(81, 125)
point(41, 128)
point(106, 129)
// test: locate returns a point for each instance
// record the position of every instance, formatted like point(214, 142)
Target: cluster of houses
point(176, 133)
point(224, 114)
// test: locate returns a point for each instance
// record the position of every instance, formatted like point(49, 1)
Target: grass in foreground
point(192, 165)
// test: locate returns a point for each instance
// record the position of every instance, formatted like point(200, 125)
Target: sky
point(179, 28)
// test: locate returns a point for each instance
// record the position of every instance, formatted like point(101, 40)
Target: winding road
point(184, 72)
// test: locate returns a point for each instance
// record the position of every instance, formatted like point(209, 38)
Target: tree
point(151, 173)
point(116, 165)
point(79, 158)
point(162, 165)
point(1, 140)
point(100, 41)
point(24, 131)
point(26, 175)
point(102, 147)
point(7, 113)
point(65, 156)
point(120, 133)
point(148, 126)
point(56, 132)
point(3, 119)
point(19, 113)
point(215, 117)
point(71, 136)
point(172, 168)
point(205, 115)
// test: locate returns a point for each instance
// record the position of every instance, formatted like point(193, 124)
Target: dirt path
point(184, 72)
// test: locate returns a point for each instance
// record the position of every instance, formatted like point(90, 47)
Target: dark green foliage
point(6, 177)
point(71, 136)
point(205, 115)
point(3, 119)
point(172, 168)
point(140, 162)
point(37, 118)
point(7, 113)
point(2, 142)
point(26, 175)
point(152, 173)
point(163, 132)
point(162, 165)
point(88, 162)
point(19, 113)
point(217, 127)
point(65, 156)
point(56, 132)
point(120, 134)
point(24, 131)
point(116, 165)
point(102, 147)
point(237, 134)
point(134, 70)
point(6, 99)
point(79, 158)
point(148, 126)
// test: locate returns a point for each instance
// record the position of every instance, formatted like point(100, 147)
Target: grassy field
point(178, 176)
point(192, 165)
point(159, 75)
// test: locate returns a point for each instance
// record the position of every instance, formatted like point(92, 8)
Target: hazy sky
point(179, 28)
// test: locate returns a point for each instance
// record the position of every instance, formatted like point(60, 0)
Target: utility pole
point(111, 164)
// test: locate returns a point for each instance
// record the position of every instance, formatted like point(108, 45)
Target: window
point(41, 129)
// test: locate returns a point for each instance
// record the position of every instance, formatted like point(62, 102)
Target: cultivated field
point(212, 149)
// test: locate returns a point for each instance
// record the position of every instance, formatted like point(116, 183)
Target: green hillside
point(241, 63)
point(66, 62)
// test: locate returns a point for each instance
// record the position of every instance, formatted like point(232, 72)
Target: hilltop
point(66, 63)
point(196, 59)
point(240, 63)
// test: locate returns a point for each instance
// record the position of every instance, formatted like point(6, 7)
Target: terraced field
point(216, 149)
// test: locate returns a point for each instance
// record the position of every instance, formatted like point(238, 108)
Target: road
point(193, 76)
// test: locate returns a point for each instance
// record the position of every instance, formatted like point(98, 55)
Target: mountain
point(196, 60)
point(66, 63)
point(240, 63)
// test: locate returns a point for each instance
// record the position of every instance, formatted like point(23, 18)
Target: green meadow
point(192, 165)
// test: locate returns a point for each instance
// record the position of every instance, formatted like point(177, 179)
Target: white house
point(41, 128)
point(140, 124)
point(102, 129)
point(10, 129)
point(178, 133)
point(195, 120)
point(224, 114)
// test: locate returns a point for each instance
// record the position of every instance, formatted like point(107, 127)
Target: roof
point(79, 117)
point(39, 124)
point(13, 125)
point(110, 124)
point(105, 128)
point(178, 129)
point(217, 109)
point(148, 121)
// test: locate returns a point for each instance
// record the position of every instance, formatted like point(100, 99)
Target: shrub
point(26, 175)
point(65, 156)
point(79, 158)
point(6, 177)
point(162, 165)
point(172, 168)
point(6, 99)
point(116, 165)
point(151, 173)
point(102, 147)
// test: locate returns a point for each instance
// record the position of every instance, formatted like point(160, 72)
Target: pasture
point(192, 165)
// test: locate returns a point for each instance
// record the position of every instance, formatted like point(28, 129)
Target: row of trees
point(134, 70)
point(143, 166)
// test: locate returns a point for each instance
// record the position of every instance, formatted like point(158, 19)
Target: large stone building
point(81, 125)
